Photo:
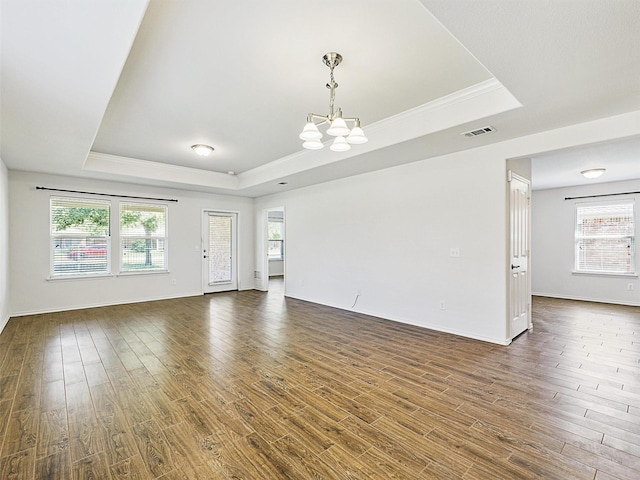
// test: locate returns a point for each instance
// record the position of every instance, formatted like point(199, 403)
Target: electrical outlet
point(630, 286)
point(359, 292)
point(174, 281)
point(443, 305)
point(454, 252)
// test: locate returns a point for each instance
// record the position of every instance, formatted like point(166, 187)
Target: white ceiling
point(120, 89)
point(620, 159)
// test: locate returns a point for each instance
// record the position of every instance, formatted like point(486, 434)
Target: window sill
point(80, 276)
point(606, 274)
point(142, 272)
point(276, 259)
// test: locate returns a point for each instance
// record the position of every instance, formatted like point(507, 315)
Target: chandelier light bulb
point(310, 132)
point(313, 145)
point(340, 145)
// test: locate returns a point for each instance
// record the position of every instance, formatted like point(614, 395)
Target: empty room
point(388, 239)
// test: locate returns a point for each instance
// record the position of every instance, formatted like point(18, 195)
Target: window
point(143, 237)
point(276, 239)
point(605, 240)
point(80, 241)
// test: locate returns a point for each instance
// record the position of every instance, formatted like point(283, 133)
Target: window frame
point(280, 257)
point(57, 238)
point(157, 238)
point(578, 238)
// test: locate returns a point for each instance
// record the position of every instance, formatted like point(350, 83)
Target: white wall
point(388, 235)
point(32, 292)
point(276, 268)
point(552, 247)
point(4, 245)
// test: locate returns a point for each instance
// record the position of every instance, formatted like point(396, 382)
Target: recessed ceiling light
point(201, 149)
point(593, 172)
point(231, 172)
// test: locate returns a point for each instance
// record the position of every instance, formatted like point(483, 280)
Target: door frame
point(234, 284)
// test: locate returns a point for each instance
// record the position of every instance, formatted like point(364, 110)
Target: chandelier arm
point(324, 118)
point(354, 120)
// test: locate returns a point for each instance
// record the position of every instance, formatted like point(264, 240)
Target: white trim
point(477, 101)
point(134, 167)
point(235, 239)
point(585, 299)
point(605, 274)
point(98, 305)
point(3, 323)
point(427, 326)
point(135, 273)
point(79, 276)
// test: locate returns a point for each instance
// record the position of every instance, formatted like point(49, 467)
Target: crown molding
point(481, 100)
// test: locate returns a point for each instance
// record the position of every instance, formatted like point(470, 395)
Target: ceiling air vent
point(479, 131)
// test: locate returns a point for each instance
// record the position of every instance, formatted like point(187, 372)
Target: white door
point(219, 252)
point(519, 284)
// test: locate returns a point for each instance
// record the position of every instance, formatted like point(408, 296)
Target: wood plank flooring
point(247, 385)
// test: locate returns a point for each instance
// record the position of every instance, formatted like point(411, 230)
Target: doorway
point(275, 249)
point(219, 255)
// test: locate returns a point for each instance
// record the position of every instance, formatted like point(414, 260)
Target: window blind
point(605, 237)
point(80, 241)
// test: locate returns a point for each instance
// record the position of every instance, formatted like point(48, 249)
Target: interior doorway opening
point(275, 249)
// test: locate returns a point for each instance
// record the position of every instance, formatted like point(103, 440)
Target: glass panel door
point(219, 252)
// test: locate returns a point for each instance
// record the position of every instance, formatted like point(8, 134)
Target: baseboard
point(437, 328)
point(98, 305)
point(3, 323)
point(585, 299)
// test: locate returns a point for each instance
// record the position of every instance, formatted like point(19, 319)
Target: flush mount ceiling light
point(345, 137)
point(202, 150)
point(593, 172)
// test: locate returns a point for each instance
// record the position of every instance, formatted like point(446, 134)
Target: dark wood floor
point(252, 386)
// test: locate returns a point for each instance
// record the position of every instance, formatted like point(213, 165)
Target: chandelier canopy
point(345, 136)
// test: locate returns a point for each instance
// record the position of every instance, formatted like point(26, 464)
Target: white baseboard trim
point(3, 322)
point(460, 333)
point(585, 299)
point(98, 305)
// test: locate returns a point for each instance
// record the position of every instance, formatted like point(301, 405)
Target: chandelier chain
point(332, 85)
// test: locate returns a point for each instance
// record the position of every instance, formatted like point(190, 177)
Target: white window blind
point(143, 237)
point(80, 241)
point(605, 237)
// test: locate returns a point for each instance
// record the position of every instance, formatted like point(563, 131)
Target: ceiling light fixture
point(202, 150)
point(338, 128)
point(593, 172)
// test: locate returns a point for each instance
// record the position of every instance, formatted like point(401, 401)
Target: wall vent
point(479, 131)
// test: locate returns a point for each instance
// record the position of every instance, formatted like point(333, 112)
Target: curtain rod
point(601, 195)
point(105, 194)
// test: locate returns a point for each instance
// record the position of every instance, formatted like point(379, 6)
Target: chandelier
point(338, 128)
